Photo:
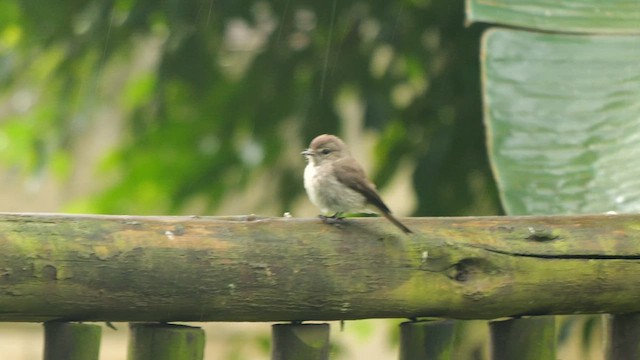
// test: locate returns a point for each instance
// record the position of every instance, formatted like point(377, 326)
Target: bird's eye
point(325, 151)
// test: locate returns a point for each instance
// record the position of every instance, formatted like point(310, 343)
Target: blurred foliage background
point(203, 106)
point(180, 107)
point(210, 96)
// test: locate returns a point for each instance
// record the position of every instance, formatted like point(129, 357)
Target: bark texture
point(126, 268)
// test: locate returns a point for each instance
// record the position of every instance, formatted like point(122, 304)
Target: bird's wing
point(349, 172)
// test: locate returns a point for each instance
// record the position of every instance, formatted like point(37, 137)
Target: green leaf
point(611, 17)
point(563, 121)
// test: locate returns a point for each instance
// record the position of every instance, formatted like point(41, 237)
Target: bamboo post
point(165, 342)
point(524, 339)
point(71, 341)
point(428, 340)
point(623, 335)
point(300, 342)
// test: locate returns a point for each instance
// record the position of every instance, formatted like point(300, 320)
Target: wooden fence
point(63, 269)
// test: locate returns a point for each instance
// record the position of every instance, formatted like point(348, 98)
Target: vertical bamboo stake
point(165, 342)
point(300, 342)
point(524, 339)
point(71, 341)
point(427, 340)
point(623, 337)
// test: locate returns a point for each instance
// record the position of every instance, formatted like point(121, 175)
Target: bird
point(336, 183)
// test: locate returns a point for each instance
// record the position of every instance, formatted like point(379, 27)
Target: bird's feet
point(335, 219)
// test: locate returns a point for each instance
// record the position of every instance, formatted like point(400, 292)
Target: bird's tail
point(396, 222)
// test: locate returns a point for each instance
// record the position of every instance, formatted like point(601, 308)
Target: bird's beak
point(307, 152)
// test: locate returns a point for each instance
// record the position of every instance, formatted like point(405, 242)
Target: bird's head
point(325, 148)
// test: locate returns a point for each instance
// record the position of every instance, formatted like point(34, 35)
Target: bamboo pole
point(121, 268)
point(300, 342)
point(71, 341)
point(524, 339)
point(623, 334)
point(427, 340)
point(165, 342)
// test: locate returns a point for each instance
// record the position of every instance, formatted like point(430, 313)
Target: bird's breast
point(328, 193)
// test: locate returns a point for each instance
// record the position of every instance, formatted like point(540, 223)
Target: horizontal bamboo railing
point(247, 268)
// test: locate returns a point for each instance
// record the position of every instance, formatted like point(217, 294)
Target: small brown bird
point(335, 182)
